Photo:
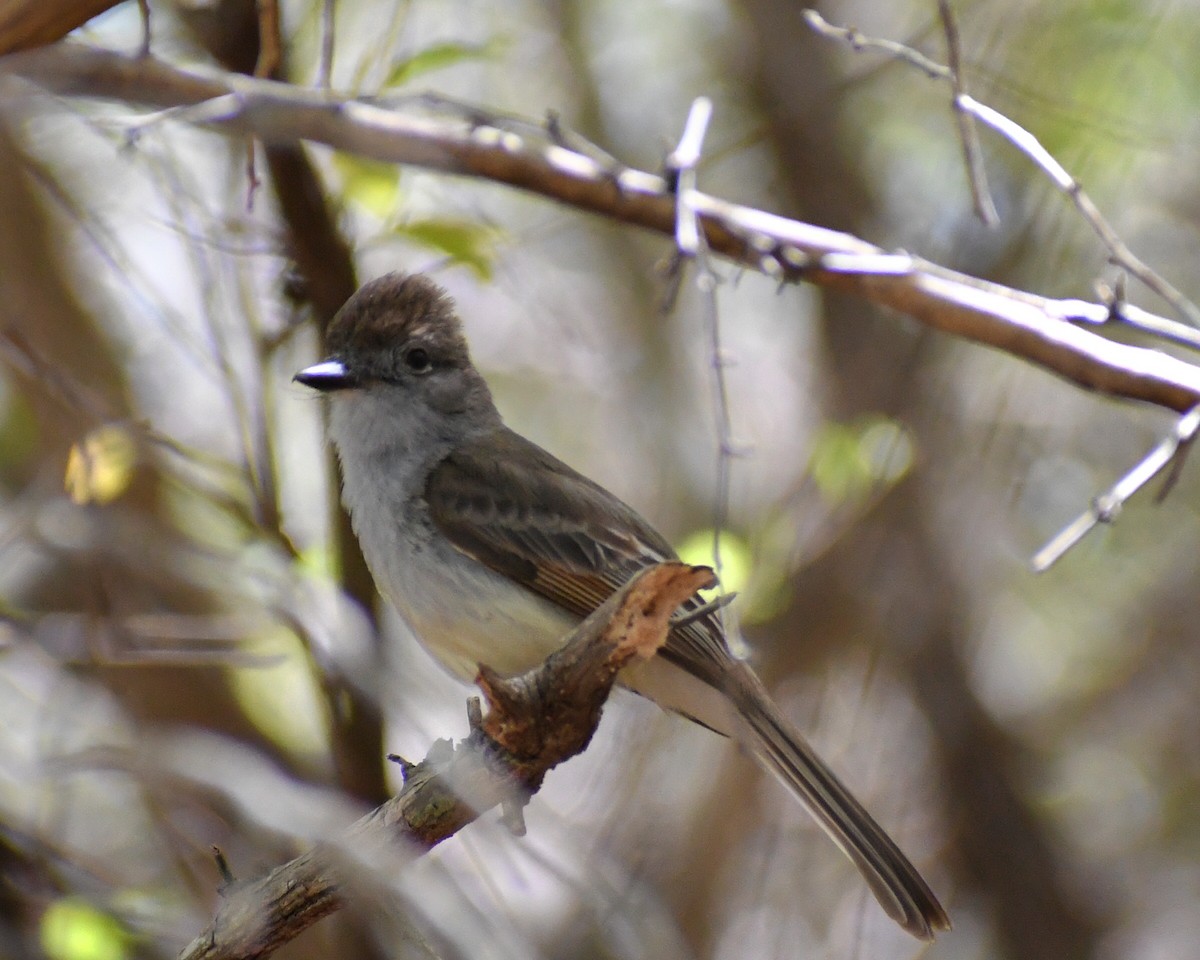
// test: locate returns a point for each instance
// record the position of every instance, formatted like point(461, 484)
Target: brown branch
point(270, 44)
point(328, 33)
point(534, 722)
point(1041, 330)
point(981, 195)
point(32, 23)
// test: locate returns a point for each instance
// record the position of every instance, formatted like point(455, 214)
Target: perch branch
point(534, 722)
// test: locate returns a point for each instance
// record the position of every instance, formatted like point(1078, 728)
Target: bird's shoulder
point(504, 482)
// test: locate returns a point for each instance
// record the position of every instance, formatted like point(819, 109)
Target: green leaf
point(849, 460)
point(438, 57)
point(371, 184)
point(835, 466)
point(756, 575)
point(467, 243)
point(72, 929)
point(736, 559)
point(281, 697)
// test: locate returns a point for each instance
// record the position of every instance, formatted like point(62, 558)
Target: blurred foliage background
point(192, 654)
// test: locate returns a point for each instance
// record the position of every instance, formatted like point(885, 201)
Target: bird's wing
point(525, 514)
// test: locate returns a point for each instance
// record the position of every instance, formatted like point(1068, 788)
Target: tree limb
point(534, 722)
point(1041, 330)
point(29, 23)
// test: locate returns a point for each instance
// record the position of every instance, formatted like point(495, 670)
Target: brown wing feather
point(557, 533)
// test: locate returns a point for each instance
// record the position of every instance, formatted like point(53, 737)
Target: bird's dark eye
point(417, 360)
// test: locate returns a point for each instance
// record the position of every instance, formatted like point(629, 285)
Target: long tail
point(780, 749)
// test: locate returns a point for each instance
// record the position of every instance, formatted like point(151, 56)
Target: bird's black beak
point(327, 376)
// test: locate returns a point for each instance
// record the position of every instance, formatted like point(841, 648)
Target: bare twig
point(1119, 252)
point(1039, 329)
point(270, 41)
point(985, 208)
point(1105, 508)
point(691, 246)
point(534, 722)
point(25, 24)
point(328, 26)
point(267, 67)
point(1135, 317)
point(681, 171)
point(144, 15)
point(857, 40)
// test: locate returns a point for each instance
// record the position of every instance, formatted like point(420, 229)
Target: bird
point(492, 550)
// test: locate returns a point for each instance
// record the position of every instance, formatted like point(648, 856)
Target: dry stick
point(1038, 329)
point(144, 15)
point(691, 245)
point(1105, 508)
point(267, 67)
point(1028, 144)
point(534, 722)
point(325, 66)
point(857, 40)
point(681, 167)
point(1119, 252)
point(985, 207)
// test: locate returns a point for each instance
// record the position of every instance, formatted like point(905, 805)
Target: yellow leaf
point(100, 467)
point(72, 929)
point(736, 561)
point(371, 184)
point(283, 700)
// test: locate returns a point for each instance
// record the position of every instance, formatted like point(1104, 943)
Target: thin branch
point(270, 40)
point(268, 66)
point(144, 16)
point(33, 23)
point(857, 40)
point(691, 246)
point(1028, 144)
point(1119, 251)
point(1135, 317)
point(534, 722)
point(328, 26)
point(985, 208)
point(1105, 508)
point(681, 169)
point(1041, 330)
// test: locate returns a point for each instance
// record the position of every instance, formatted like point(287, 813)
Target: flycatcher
point(492, 551)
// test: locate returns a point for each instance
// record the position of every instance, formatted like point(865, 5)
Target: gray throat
point(455, 606)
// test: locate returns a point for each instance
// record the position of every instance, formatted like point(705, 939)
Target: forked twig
point(1104, 509)
point(985, 207)
point(1119, 252)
